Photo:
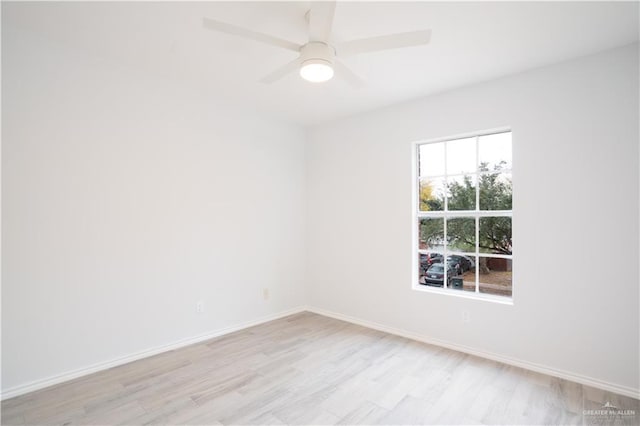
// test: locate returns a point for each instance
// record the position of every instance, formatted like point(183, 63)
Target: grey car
point(434, 276)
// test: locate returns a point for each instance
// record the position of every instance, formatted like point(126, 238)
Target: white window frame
point(476, 214)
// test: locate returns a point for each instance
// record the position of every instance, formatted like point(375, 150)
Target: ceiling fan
point(319, 56)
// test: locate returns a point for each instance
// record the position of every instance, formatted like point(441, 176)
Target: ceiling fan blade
point(281, 72)
point(348, 75)
point(223, 27)
point(393, 41)
point(321, 20)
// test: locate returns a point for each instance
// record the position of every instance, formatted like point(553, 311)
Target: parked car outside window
point(435, 275)
point(461, 263)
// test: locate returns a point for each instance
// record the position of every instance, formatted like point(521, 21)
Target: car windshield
point(436, 268)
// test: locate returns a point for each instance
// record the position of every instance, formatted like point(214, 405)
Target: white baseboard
point(70, 375)
point(599, 384)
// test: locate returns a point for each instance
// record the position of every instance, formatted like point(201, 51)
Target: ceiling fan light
point(316, 70)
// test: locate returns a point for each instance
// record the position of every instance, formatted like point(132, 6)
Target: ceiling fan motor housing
point(317, 52)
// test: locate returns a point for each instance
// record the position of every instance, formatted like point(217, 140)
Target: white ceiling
point(471, 42)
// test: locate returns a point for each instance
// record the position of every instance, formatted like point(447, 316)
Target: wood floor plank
point(311, 369)
point(366, 413)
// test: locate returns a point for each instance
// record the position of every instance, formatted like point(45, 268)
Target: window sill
point(464, 294)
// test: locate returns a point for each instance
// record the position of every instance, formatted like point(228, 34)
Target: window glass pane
point(470, 273)
point(465, 275)
point(495, 276)
point(423, 265)
point(495, 235)
point(432, 192)
point(461, 234)
point(461, 191)
point(461, 156)
point(434, 275)
point(431, 159)
point(496, 191)
point(426, 261)
point(431, 234)
point(494, 152)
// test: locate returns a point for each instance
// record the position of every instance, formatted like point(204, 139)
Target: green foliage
point(461, 232)
point(462, 196)
point(495, 194)
point(495, 235)
point(431, 231)
point(495, 190)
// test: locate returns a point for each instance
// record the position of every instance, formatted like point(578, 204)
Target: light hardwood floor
point(310, 369)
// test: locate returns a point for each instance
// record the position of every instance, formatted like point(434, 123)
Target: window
point(463, 216)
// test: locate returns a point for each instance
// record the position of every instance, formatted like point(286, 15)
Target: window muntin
point(464, 202)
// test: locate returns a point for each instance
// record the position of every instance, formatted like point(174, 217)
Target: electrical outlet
point(265, 293)
point(199, 307)
point(466, 317)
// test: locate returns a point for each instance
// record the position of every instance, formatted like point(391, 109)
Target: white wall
point(575, 155)
point(127, 199)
